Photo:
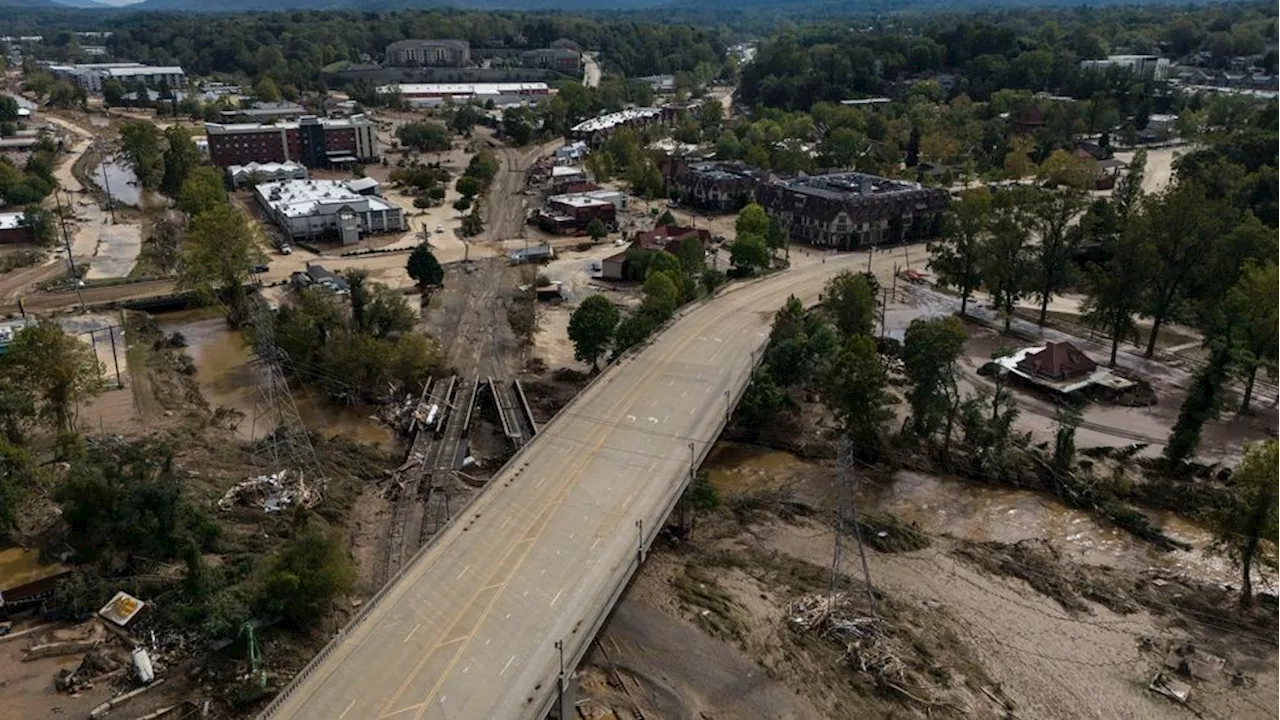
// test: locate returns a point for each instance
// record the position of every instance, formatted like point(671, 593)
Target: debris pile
point(272, 493)
point(399, 413)
point(867, 647)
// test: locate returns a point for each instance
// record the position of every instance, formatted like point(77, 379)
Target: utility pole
point(106, 183)
point(66, 240)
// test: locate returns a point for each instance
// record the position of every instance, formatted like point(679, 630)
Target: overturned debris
point(867, 647)
point(272, 493)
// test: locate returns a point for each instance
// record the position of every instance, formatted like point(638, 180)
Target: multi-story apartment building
point(429, 53)
point(91, 76)
point(852, 210)
point(559, 59)
point(314, 142)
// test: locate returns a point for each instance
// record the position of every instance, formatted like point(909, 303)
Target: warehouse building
point(314, 142)
point(850, 210)
point(501, 93)
point(318, 209)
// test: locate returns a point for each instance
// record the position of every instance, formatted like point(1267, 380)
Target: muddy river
point(975, 512)
point(225, 372)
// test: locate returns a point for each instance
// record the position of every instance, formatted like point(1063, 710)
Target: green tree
point(180, 158)
point(17, 475)
point(424, 136)
point(855, 389)
point(775, 237)
point(1251, 305)
point(1064, 169)
point(202, 189)
point(751, 220)
point(8, 109)
point(1054, 257)
point(1245, 530)
point(126, 500)
point(1113, 289)
point(661, 296)
point(596, 230)
point(692, 256)
point(956, 258)
point(712, 279)
point(749, 254)
point(303, 578)
point(140, 143)
point(58, 370)
point(472, 223)
point(468, 186)
point(217, 256)
point(1183, 225)
point(1005, 257)
point(41, 223)
point(850, 302)
point(591, 329)
point(632, 331)
point(516, 125)
point(424, 268)
point(930, 351)
point(266, 89)
point(1201, 405)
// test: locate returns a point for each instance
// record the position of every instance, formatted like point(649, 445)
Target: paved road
point(590, 70)
point(469, 631)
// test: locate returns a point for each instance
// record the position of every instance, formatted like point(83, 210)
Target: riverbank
point(1023, 607)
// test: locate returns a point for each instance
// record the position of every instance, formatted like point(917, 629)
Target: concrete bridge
point(490, 619)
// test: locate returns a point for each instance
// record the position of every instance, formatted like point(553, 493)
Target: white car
point(286, 250)
point(439, 229)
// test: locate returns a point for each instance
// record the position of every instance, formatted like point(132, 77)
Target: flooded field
point(973, 512)
point(117, 178)
point(225, 373)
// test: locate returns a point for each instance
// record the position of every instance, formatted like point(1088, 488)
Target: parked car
point(286, 250)
point(258, 269)
point(439, 229)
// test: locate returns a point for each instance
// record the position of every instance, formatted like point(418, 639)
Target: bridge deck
point(469, 629)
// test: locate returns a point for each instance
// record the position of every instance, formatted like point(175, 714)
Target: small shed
point(611, 268)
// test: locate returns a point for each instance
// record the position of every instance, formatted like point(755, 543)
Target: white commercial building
point(91, 76)
point(318, 208)
point(1142, 65)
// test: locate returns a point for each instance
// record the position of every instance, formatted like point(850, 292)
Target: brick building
point(314, 142)
point(718, 186)
point(570, 214)
point(669, 237)
point(559, 59)
point(852, 210)
point(429, 53)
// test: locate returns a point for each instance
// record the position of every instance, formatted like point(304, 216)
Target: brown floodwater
point(975, 512)
point(226, 375)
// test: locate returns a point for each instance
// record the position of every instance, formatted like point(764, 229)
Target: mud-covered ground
point(982, 627)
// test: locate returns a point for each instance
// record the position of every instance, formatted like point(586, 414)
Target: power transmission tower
point(286, 444)
point(847, 514)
